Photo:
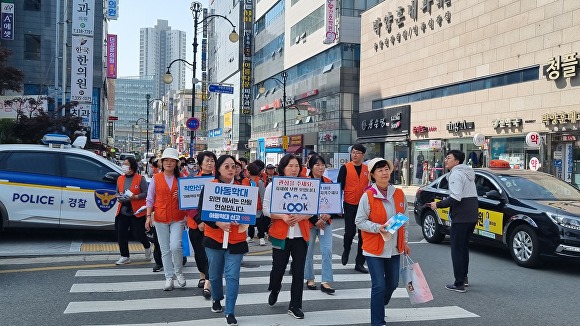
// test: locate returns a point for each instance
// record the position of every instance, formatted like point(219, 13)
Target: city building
point(495, 79)
point(131, 110)
point(159, 46)
point(317, 44)
point(35, 37)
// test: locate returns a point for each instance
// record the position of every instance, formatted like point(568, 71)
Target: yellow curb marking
point(56, 268)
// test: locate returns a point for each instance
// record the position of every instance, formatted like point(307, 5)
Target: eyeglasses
point(447, 158)
point(357, 153)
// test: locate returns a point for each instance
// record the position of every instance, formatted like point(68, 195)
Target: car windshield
point(538, 187)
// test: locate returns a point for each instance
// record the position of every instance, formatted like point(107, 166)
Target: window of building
point(33, 5)
point(294, 2)
point(31, 47)
point(265, 21)
point(308, 24)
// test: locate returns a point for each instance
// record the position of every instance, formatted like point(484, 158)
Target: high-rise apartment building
point(159, 46)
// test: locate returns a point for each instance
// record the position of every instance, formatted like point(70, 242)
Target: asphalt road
point(87, 289)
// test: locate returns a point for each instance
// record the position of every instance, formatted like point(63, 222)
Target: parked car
point(55, 185)
point(531, 213)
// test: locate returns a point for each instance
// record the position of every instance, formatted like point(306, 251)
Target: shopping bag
point(415, 282)
point(185, 243)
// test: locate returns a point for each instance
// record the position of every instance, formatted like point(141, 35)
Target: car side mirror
point(111, 177)
point(494, 194)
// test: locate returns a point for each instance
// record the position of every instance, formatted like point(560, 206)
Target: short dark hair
point(380, 164)
point(238, 163)
point(133, 164)
point(254, 169)
point(314, 159)
point(243, 159)
point(201, 155)
point(219, 162)
point(260, 164)
point(285, 161)
point(191, 160)
point(359, 147)
point(459, 155)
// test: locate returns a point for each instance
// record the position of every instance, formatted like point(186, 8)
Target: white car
point(56, 186)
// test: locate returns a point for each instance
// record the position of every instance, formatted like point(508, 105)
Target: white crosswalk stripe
point(251, 307)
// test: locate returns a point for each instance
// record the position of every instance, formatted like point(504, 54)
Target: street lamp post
point(196, 10)
point(133, 126)
point(282, 82)
point(149, 101)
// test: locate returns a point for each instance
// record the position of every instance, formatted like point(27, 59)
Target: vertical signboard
point(569, 163)
point(111, 56)
point(7, 15)
point(82, 69)
point(246, 75)
point(83, 17)
point(112, 9)
point(84, 111)
point(330, 31)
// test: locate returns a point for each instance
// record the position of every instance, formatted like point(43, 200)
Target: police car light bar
point(56, 140)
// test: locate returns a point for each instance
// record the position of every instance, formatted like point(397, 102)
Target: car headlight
point(571, 222)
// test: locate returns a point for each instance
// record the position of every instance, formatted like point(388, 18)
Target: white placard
point(81, 74)
point(224, 202)
point(189, 190)
point(330, 201)
point(295, 196)
point(83, 17)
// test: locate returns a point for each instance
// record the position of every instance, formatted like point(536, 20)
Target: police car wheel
point(524, 246)
point(431, 229)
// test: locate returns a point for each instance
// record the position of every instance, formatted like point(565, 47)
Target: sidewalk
point(410, 192)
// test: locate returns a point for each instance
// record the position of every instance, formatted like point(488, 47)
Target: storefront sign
point(385, 122)
point(423, 129)
point(460, 125)
point(7, 23)
point(82, 69)
point(327, 136)
point(330, 31)
point(428, 145)
point(273, 142)
point(112, 9)
point(560, 117)
point(569, 162)
point(533, 139)
point(83, 17)
point(214, 133)
point(405, 28)
point(534, 164)
point(247, 11)
point(506, 123)
point(111, 56)
point(478, 140)
point(564, 66)
point(295, 140)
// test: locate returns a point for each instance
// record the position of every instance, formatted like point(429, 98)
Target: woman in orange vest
point(228, 260)
point(381, 249)
point(321, 227)
point(168, 219)
point(289, 234)
point(132, 190)
point(207, 161)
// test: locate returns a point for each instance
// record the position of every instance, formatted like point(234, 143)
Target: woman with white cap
point(168, 218)
point(381, 249)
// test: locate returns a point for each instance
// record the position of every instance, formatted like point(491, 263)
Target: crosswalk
point(132, 295)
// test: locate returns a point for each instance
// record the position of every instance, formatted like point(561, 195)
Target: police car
point(56, 185)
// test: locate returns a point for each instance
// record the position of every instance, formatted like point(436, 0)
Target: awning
point(296, 149)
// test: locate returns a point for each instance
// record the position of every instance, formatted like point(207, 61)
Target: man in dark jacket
point(462, 213)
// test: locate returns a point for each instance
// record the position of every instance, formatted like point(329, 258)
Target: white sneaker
point(148, 254)
point(248, 239)
point(123, 261)
point(262, 242)
point(181, 280)
point(168, 284)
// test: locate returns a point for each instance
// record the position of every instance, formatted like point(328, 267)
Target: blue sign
point(159, 129)
point(7, 23)
point(216, 88)
point(214, 133)
point(192, 123)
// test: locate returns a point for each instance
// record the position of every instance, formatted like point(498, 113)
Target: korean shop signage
point(423, 129)
point(460, 126)
point(558, 118)
point(385, 122)
point(402, 24)
point(506, 123)
point(564, 66)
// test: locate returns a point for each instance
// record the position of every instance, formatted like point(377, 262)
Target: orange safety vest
point(355, 184)
point(218, 234)
point(256, 180)
point(303, 172)
point(166, 206)
point(373, 242)
point(135, 188)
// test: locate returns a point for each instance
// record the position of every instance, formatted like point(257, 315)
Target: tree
point(10, 77)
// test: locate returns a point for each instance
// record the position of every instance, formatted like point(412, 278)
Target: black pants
point(196, 238)
point(350, 231)
point(297, 248)
point(460, 234)
point(262, 224)
point(137, 227)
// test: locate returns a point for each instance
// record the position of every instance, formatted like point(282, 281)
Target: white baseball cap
point(171, 153)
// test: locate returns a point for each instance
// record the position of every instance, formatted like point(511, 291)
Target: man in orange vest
point(353, 178)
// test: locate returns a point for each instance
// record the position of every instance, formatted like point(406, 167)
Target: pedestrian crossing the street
point(135, 292)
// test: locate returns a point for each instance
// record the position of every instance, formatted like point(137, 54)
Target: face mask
point(125, 169)
point(190, 166)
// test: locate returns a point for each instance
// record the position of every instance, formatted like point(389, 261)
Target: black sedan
point(531, 213)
